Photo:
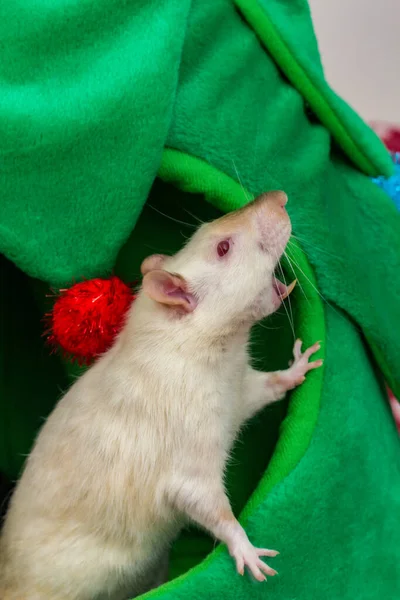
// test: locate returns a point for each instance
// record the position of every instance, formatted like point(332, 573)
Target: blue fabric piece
point(391, 185)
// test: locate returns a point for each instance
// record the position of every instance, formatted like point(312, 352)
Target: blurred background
point(359, 42)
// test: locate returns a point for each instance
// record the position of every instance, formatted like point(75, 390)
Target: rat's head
point(224, 275)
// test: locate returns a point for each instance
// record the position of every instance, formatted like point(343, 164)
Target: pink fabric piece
point(394, 403)
point(390, 136)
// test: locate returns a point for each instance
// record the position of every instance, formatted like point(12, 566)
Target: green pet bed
point(122, 125)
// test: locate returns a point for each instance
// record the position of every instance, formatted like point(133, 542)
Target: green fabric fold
point(116, 115)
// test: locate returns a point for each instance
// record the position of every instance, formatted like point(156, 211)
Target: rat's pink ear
point(153, 262)
point(168, 289)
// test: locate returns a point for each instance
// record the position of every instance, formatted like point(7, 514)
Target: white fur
point(139, 443)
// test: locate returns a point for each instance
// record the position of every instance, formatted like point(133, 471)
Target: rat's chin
point(280, 291)
point(270, 299)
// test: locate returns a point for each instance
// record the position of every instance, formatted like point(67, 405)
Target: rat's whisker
point(184, 235)
point(268, 328)
point(194, 216)
point(288, 299)
point(171, 218)
point(295, 275)
point(318, 292)
point(248, 198)
point(306, 243)
point(283, 303)
point(309, 281)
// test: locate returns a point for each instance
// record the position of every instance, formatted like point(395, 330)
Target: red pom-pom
point(86, 317)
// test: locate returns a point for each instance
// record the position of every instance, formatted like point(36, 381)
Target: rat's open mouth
point(281, 290)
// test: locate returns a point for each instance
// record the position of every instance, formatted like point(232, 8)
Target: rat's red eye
point(223, 248)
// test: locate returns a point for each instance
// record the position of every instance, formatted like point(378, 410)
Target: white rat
point(138, 445)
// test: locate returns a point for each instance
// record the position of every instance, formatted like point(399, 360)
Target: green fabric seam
point(270, 38)
point(194, 175)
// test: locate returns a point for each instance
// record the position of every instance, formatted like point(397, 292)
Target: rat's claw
point(266, 552)
point(315, 364)
point(297, 349)
point(310, 351)
point(256, 572)
point(245, 554)
point(265, 568)
point(239, 564)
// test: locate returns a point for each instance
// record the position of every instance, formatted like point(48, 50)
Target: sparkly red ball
point(86, 317)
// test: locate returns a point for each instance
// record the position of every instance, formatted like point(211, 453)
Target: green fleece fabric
point(287, 32)
point(97, 99)
point(324, 516)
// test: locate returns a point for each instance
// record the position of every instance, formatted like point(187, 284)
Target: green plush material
point(121, 124)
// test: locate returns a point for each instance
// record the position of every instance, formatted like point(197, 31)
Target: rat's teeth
point(289, 289)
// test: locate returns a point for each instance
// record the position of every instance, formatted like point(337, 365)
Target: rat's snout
point(279, 199)
point(270, 210)
point(270, 201)
point(272, 221)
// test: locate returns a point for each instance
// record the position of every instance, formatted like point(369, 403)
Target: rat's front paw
point(246, 555)
point(295, 375)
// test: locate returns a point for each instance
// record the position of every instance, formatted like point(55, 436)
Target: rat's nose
point(278, 198)
point(274, 199)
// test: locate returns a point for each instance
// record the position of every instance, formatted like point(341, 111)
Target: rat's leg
point(264, 388)
point(204, 501)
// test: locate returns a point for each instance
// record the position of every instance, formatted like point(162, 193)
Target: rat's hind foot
point(246, 555)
